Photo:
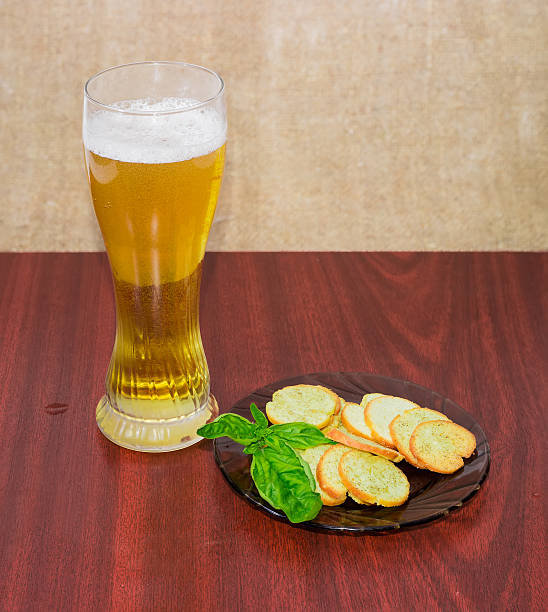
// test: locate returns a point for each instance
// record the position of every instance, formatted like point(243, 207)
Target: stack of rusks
point(371, 438)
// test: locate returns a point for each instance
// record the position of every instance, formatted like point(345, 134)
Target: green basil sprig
point(282, 479)
point(231, 425)
point(259, 416)
point(300, 435)
point(280, 474)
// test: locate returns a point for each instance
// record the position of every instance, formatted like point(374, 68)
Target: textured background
point(356, 124)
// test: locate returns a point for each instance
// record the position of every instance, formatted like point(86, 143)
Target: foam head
point(153, 137)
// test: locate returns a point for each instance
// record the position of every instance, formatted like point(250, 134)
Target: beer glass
point(154, 143)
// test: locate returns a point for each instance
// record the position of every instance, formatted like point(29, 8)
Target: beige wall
point(354, 124)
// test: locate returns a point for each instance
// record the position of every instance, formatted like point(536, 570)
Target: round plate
point(432, 496)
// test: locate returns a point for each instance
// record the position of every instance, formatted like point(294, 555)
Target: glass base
point(151, 435)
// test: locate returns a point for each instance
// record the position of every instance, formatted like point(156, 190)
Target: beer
point(154, 183)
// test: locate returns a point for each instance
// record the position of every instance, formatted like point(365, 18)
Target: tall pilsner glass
point(154, 139)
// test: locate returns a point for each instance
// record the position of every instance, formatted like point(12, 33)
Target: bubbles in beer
point(151, 138)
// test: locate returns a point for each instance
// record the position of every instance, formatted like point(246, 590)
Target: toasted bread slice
point(357, 500)
point(329, 424)
point(334, 421)
point(327, 471)
point(404, 424)
point(352, 417)
point(440, 445)
point(312, 456)
point(343, 436)
point(306, 403)
point(373, 479)
point(379, 413)
point(369, 397)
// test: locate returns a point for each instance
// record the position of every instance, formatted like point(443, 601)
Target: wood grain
point(86, 525)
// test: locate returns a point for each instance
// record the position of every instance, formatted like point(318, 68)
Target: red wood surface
point(86, 525)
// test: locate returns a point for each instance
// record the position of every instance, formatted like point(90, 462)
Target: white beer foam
point(154, 139)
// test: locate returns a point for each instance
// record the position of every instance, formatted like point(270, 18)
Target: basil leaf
point(254, 447)
point(300, 435)
point(308, 472)
point(232, 426)
point(283, 482)
point(259, 416)
point(273, 441)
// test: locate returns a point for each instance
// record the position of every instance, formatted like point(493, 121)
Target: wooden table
point(86, 525)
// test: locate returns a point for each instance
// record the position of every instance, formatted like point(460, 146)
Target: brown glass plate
point(431, 497)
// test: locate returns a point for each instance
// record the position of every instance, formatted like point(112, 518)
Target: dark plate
point(432, 496)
